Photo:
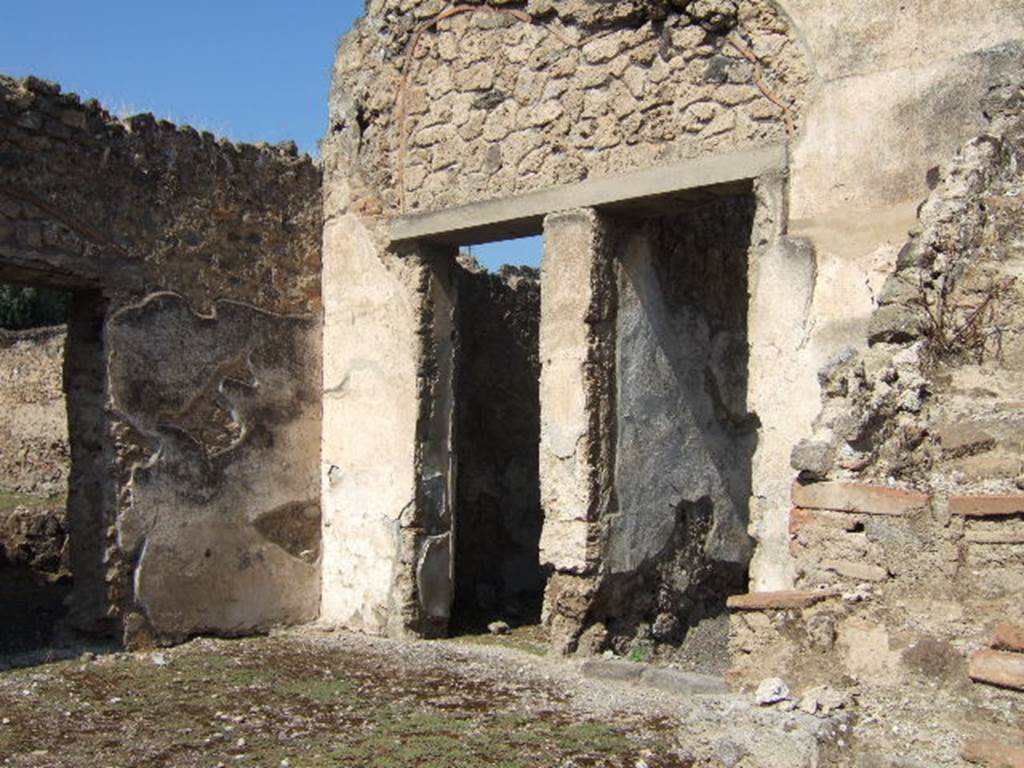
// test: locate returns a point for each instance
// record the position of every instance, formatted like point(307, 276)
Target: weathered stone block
point(798, 518)
point(858, 571)
point(1008, 637)
point(992, 754)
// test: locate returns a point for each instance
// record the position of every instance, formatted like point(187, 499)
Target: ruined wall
point(452, 107)
point(898, 89)
point(432, 108)
point(34, 458)
point(194, 356)
point(498, 516)
point(436, 106)
point(906, 530)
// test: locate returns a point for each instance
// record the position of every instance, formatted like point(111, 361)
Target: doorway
point(498, 517)
point(52, 388)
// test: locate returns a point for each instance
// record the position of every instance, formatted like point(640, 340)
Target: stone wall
point(436, 107)
point(193, 348)
point(440, 107)
point(906, 528)
point(897, 90)
point(35, 457)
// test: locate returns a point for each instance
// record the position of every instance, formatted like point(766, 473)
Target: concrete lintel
point(52, 268)
point(524, 214)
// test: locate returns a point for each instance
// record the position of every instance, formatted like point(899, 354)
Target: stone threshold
point(663, 678)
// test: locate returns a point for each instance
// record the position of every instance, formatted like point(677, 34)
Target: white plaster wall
point(369, 422)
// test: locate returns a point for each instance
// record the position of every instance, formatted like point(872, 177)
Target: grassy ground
point(528, 639)
point(288, 701)
point(10, 501)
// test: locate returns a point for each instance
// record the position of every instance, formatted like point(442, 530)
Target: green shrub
point(22, 308)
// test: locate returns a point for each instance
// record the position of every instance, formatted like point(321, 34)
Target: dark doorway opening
point(498, 517)
point(52, 422)
point(35, 576)
point(685, 437)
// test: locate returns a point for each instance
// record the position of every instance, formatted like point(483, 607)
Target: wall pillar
point(577, 385)
point(386, 433)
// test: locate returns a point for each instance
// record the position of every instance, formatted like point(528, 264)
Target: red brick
point(1008, 637)
point(858, 497)
point(1005, 670)
point(992, 754)
point(798, 518)
point(987, 506)
point(767, 601)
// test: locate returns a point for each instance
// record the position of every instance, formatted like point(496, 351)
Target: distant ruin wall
point(34, 457)
point(194, 264)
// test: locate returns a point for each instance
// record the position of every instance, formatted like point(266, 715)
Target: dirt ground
point(312, 698)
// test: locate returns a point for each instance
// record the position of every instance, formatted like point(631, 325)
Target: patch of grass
point(321, 690)
point(277, 699)
point(11, 501)
point(528, 639)
point(640, 654)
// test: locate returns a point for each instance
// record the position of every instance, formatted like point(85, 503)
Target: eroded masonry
point(757, 415)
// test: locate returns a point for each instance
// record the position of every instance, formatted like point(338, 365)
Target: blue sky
point(249, 71)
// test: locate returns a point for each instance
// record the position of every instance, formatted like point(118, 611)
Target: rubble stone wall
point(898, 89)
point(435, 106)
point(499, 98)
point(34, 431)
point(906, 528)
point(193, 348)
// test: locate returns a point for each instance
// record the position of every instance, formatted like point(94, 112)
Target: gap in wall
point(517, 252)
point(498, 516)
point(35, 464)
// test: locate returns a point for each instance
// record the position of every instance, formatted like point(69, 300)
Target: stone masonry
point(757, 416)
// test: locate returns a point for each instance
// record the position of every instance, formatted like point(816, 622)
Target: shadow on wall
point(685, 439)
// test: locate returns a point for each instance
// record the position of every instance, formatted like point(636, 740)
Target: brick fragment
point(798, 518)
point(992, 754)
point(858, 497)
point(766, 601)
point(994, 537)
point(986, 506)
point(1008, 637)
point(999, 668)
